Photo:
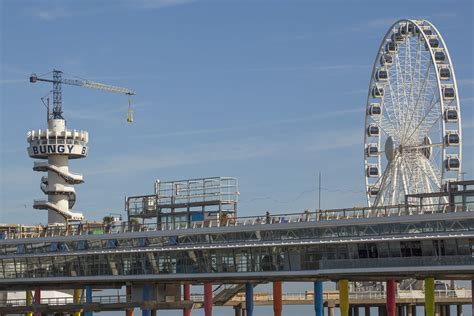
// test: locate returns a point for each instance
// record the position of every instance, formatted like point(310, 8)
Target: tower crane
point(58, 80)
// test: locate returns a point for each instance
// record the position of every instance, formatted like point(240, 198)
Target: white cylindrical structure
point(57, 145)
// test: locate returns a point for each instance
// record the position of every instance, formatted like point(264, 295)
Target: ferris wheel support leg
point(391, 303)
point(318, 298)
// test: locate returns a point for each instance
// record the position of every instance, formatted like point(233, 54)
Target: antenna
point(319, 192)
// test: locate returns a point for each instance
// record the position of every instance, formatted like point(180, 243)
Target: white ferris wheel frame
point(445, 152)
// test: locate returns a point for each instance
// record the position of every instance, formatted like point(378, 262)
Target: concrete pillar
point(356, 310)
point(367, 310)
point(249, 298)
point(409, 310)
point(344, 297)
point(89, 300)
point(437, 310)
point(391, 302)
point(277, 303)
point(429, 297)
point(208, 299)
point(128, 293)
point(318, 298)
point(37, 299)
point(187, 297)
point(238, 310)
point(29, 301)
point(146, 297)
point(459, 310)
point(330, 310)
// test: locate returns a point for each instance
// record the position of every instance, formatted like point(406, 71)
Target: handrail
point(21, 231)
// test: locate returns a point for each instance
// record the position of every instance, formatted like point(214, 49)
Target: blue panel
point(197, 217)
point(88, 299)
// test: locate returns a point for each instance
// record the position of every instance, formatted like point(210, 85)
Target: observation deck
point(363, 243)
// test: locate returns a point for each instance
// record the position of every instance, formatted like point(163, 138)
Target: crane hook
point(130, 112)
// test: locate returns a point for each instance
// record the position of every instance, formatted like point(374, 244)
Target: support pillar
point(356, 310)
point(413, 310)
point(249, 298)
point(76, 299)
point(37, 299)
point(367, 310)
point(238, 311)
point(409, 310)
point(208, 299)
point(344, 297)
point(382, 311)
point(187, 297)
point(330, 308)
point(391, 303)
point(29, 301)
point(88, 299)
point(459, 310)
point(128, 293)
point(318, 298)
point(472, 295)
point(437, 310)
point(429, 297)
point(146, 297)
point(277, 303)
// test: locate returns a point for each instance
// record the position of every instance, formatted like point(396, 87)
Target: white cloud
point(50, 13)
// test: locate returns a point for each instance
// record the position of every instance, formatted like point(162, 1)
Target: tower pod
point(381, 75)
point(372, 171)
point(452, 138)
point(373, 130)
point(452, 163)
point(374, 109)
point(451, 115)
point(372, 150)
point(386, 60)
point(377, 91)
point(444, 73)
point(448, 92)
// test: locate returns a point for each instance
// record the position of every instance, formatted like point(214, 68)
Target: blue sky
point(270, 92)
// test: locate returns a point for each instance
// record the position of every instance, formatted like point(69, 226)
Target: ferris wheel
point(412, 141)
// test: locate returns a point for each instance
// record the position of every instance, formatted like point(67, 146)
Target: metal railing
point(258, 297)
point(285, 218)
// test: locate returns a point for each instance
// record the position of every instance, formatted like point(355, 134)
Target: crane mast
point(58, 80)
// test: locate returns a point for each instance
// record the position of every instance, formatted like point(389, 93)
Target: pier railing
point(20, 231)
point(307, 296)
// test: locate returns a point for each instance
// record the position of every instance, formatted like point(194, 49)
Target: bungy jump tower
point(57, 144)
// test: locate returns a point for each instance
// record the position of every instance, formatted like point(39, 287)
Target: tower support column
point(208, 299)
point(277, 303)
point(249, 298)
point(318, 298)
point(187, 297)
point(344, 297)
point(429, 297)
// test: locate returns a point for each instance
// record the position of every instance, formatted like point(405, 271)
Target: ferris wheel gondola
point(412, 135)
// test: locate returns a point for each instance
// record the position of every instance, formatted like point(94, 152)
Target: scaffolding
point(182, 203)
